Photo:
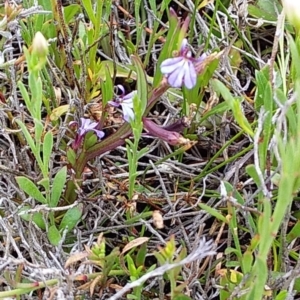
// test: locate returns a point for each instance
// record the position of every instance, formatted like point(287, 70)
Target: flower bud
point(292, 11)
point(40, 45)
point(171, 137)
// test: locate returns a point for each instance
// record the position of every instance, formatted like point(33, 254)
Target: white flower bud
point(40, 45)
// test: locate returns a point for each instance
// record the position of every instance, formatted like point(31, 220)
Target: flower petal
point(175, 79)
point(84, 123)
point(190, 77)
point(183, 45)
point(127, 113)
point(128, 102)
point(171, 64)
point(81, 132)
point(129, 96)
point(92, 126)
point(99, 133)
point(114, 103)
point(121, 88)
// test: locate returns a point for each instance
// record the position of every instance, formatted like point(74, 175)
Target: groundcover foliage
point(149, 149)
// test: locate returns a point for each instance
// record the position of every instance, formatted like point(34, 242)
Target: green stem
point(35, 286)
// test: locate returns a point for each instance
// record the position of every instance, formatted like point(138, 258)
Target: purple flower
point(126, 102)
point(181, 69)
point(86, 126)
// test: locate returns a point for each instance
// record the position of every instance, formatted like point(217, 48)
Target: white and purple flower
point(86, 125)
point(181, 70)
point(126, 102)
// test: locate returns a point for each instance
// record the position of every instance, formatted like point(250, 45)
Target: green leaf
point(28, 137)
point(267, 102)
point(142, 152)
point(25, 95)
point(107, 86)
point(98, 18)
point(45, 182)
point(35, 85)
point(176, 271)
point(294, 233)
point(161, 260)
point(208, 73)
point(132, 297)
point(265, 9)
point(294, 48)
point(37, 217)
point(260, 273)
point(131, 267)
point(240, 117)
point(251, 171)
point(283, 295)
point(230, 250)
point(212, 211)
point(247, 261)
point(141, 255)
point(53, 235)
point(58, 185)
point(110, 260)
point(31, 189)
point(70, 11)
point(47, 148)
point(59, 111)
point(297, 285)
point(261, 80)
point(142, 87)
point(106, 70)
point(87, 4)
point(38, 131)
point(71, 218)
point(90, 140)
point(71, 155)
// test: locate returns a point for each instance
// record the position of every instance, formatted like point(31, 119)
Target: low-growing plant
point(76, 102)
point(41, 145)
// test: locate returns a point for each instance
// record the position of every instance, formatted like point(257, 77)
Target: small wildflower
point(86, 126)
point(126, 102)
point(181, 69)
